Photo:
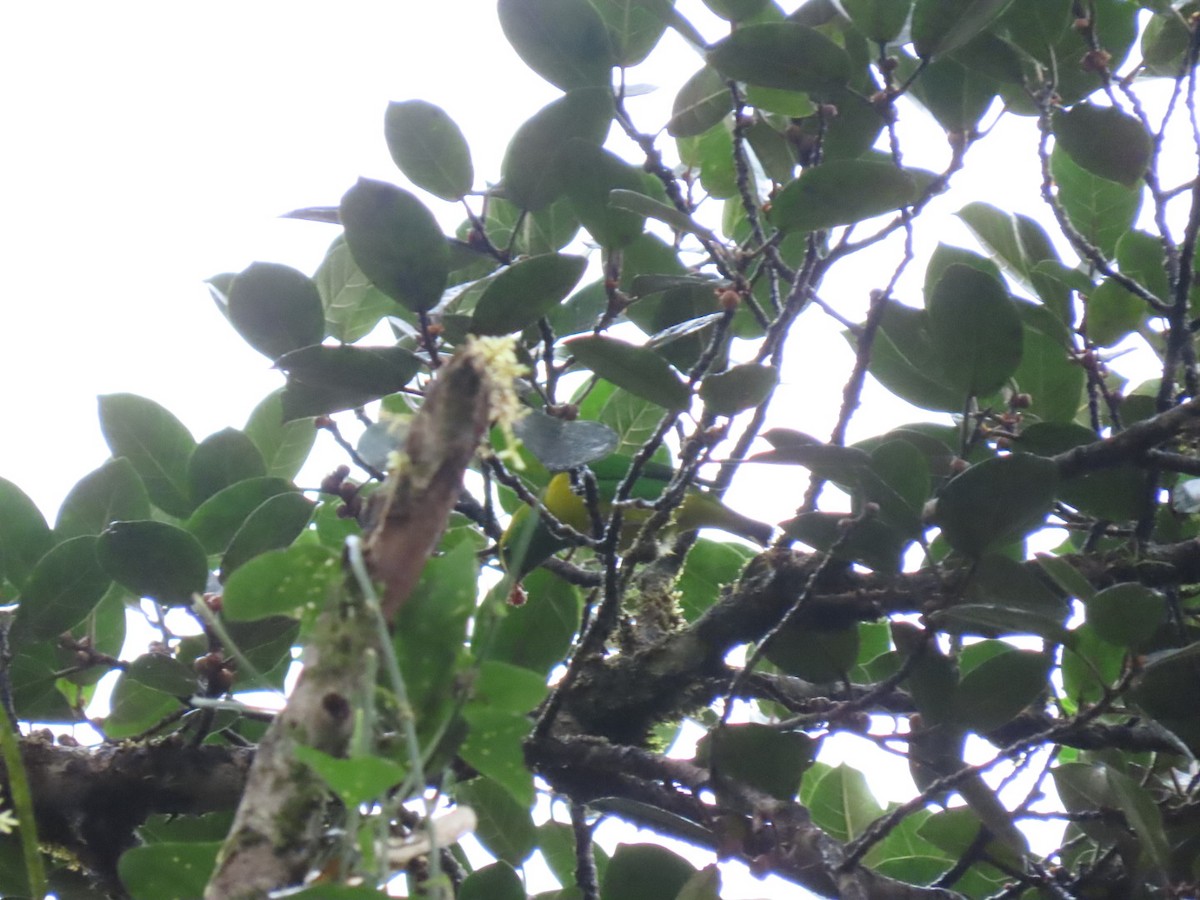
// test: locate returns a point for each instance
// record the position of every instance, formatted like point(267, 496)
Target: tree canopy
point(522, 606)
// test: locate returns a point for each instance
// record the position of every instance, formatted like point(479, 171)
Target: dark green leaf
point(782, 55)
point(222, 459)
point(996, 501)
point(534, 161)
point(396, 242)
point(636, 369)
point(526, 291)
point(564, 41)
point(274, 524)
point(156, 443)
point(154, 559)
point(702, 102)
point(561, 444)
point(62, 588)
point(939, 26)
point(1105, 141)
point(284, 445)
point(739, 388)
point(276, 309)
point(975, 330)
point(644, 872)
point(428, 147)
point(168, 871)
point(842, 192)
point(24, 535)
point(216, 522)
point(322, 380)
point(1101, 210)
point(281, 582)
point(760, 756)
point(998, 689)
point(1126, 615)
point(505, 827)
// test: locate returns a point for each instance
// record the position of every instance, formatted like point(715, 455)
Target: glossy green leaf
point(760, 756)
point(1101, 210)
point(842, 192)
point(999, 688)
point(739, 388)
point(702, 102)
point(61, 589)
point(154, 559)
point(355, 780)
point(636, 369)
point(996, 501)
point(782, 55)
point(634, 27)
point(429, 148)
point(1105, 141)
point(284, 445)
point(222, 459)
point(396, 242)
point(564, 41)
point(644, 872)
point(1126, 615)
point(168, 871)
point(975, 330)
point(110, 493)
point(592, 173)
point(561, 444)
point(534, 161)
point(217, 520)
point(274, 524)
point(499, 881)
point(505, 827)
point(276, 309)
point(940, 26)
point(156, 443)
point(526, 291)
point(879, 20)
point(281, 582)
point(323, 379)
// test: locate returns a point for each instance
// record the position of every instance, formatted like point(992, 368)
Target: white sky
point(148, 146)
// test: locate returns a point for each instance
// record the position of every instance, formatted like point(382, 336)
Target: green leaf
point(163, 673)
point(634, 27)
point(636, 369)
point(505, 827)
point(156, 443)
point(996, 502)
point(782, 55)
point(1101, 210)
point(281, 582)
point(274, 524)
point(940, 26)
point(1105, 141)
point(284, 445)
point(353, 306)
point(428, 147)
point(591, 174)
point(217, 520)
point(564, 41)
point(526, 291)
point(222, 459)
point(538, 634)
point(24, 535)
point(561, 444)
point(276, 309)
point(879, 20)
point(975, 330)
point(154, 559)
point(739, 388)
point(1127, 615)
point(999, 688)
point(842, 192)
point(168, 871)
point(841, 803)
point(534, 161)
point(110, 493)
point(62, 588)
point(396, 242)
point(322, 379)
point(494, 747)
point(702, 102)
point(644, 872)
point(354, 780)
point(760, 756)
